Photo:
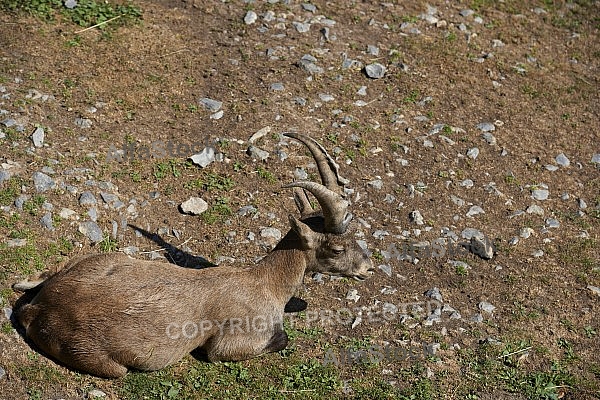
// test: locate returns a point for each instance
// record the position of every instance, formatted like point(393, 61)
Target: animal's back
point(113, 305)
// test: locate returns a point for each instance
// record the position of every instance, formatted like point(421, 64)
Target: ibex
point(106, 313)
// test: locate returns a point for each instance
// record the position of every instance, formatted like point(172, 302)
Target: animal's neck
point(284, 270)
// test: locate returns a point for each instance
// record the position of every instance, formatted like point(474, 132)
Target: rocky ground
point(159, 135)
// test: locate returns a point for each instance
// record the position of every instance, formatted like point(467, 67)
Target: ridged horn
point(328, 168)
point(333, 206)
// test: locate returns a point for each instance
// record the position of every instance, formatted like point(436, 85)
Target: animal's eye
point(337, 249)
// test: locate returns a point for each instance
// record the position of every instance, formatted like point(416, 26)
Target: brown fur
point(106, 313)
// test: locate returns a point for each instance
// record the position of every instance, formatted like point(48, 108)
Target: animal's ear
point(307, 236)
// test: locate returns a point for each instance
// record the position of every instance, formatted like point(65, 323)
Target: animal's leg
point(232, 347)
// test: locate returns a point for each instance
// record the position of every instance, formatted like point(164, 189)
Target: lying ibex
point(105, 313)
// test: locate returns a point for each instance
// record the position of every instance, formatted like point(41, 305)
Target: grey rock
point(478, 318)
point(594, 289)
point(375, 71)
point(538, 253)
point(466, 12)
point(301, 101)
point(352, 295)
point(92, 231)
point(210, 104)
point(386, 268)
point(309, 7)
point(131, 250)
point(380, 234)
point(46, 221)
point(83, 123)
point(562, 160)
point(552, 223)
point(526, 232)
point(489, 138)
point(468, 233)
point(596, 159)
point(473, 153)
point(154, 195)
point(16, 242)
point(373, 50)
point(250, 17)
point(540, 194)
point(87, 199)
point(4, 175)
point(434, 293)
point(300, 174)
point(93, 214)
point(468, 183)
point(376, 184)
point(247, 210)
point(259, 134)
point(205, 157)
point(325, 97)
point(109, 198)
point(42, 182)
point(96, 393)
point(9, 122)
point(457, 200)
point(483, 248)
point(277, 87)
point(486, 307)
point(416, 217)
point(535, 209)
point(2, 373)
point(19, 201)
point(486, 127)
point(301, 27)
point(551, 167)
point(194, 206)
point(67, 213)
point(582, 204)
point(271, 232)
point(309, 65)
point(257, 153)
point(474, 210)
point(38, 137)
point(70, 4)
point(362, 91)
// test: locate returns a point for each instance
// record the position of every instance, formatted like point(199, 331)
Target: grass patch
point(11, 190)
point(87, 12)
point(217, 212)
point(211, 181)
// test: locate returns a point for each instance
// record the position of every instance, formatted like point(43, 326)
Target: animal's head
point(328, 234)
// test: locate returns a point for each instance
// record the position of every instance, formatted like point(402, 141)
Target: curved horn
point(333, 206)
point(328, 168)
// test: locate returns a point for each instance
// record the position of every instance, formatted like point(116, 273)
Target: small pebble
point(487, 307)
point(540, 194)
point(486, 127)
point(250, 17)
point(92, 231)
point(204, 158)
point(375, 71)
point(38, 137)
point(42, 182)
point(210, 104)
point(194, 206)
point(562, 160)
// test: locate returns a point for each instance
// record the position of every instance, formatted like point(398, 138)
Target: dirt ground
point(529, 69)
